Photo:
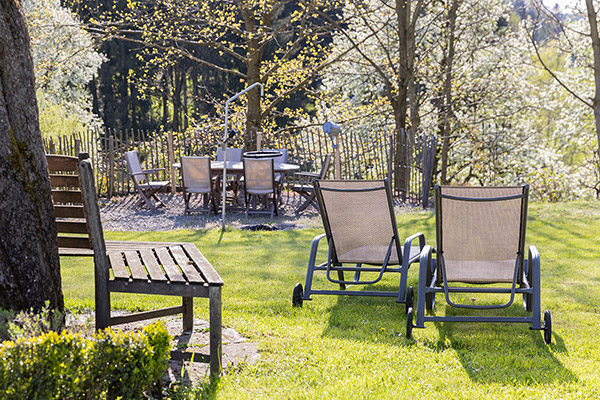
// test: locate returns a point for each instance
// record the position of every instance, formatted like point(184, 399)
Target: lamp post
point(333, 130)
point(224, 145)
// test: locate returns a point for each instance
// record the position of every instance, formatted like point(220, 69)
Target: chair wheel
point(297, 295)
point(409, 323)
point(409, 298)
point(547, 327)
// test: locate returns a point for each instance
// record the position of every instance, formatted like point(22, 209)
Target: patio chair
point(259, 183)
point(232, 181)
point(480, 242)
point(197, 180)
point(279, 177)
point(305, 188)
point(145, 188)
point(361, 232)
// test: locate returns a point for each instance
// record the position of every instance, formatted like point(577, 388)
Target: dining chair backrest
point(196, 172)
point(232, 154)
point(280, 159)
point(133, 164)
point(258, 174)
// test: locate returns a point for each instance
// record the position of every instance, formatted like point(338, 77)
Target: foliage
point(60, 366)
point(64, 62)
point(281, 44)
point(27, 324)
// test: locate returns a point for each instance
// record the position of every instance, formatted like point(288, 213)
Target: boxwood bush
point(110, 365)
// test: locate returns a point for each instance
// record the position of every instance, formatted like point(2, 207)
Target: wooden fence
point(365, 156)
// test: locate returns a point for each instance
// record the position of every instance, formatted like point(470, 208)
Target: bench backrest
point(69, 207)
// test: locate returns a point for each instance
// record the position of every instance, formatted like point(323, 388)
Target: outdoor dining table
point(237, 167)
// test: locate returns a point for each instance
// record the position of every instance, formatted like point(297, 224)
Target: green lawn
point(355, 348)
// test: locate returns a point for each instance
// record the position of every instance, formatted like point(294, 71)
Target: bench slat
point(207, 271)
point(77, 242)
point(71, 181)
point(69, 212)
point(169, 265)
point(67, 196)
point(186, 264)
point(71, 227)
point(62, 163)
point(149, 260)
point(118, 265)
point(135, 265)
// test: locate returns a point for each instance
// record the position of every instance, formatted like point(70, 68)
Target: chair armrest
point(313, 249)
point(406, 261)
point(153, 170)
point(306, 177)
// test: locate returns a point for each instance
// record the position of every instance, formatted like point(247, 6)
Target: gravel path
point(121, 214)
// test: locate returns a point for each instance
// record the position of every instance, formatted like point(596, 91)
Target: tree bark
point(29, 262)
point(592, 18)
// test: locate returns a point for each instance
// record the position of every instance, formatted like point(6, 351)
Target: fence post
point(111, 165)
point(171, 162)
point(336, 152)
point(77, 147)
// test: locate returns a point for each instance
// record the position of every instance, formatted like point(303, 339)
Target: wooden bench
point(169, 269)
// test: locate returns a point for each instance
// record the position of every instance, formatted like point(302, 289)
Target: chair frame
point(146, 189)
point(526, 278)
point(332, 264)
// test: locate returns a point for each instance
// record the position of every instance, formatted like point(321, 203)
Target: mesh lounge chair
point(480, 241)
point(360, 227)
point(197, 180)
point(259, 182)
point(146, 188)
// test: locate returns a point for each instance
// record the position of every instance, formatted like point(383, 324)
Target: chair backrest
point(134, 166)
point(232, 154)
point(258, 174)
point(196, 172)
point(325, 167)
point(481, 232)
point(69, 207)
point(280, 159)
point(358, 217)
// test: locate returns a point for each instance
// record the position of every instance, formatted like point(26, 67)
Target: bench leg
point(188, 314)
point(214, 293)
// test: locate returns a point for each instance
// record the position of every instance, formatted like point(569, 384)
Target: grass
point(355, 347)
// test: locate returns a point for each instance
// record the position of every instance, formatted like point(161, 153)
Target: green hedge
point(110, 365)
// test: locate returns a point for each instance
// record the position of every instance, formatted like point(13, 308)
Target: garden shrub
point(110, 365)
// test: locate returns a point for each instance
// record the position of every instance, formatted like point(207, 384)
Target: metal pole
point(224, 145)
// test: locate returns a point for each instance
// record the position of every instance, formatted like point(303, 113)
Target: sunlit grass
point(355, 348)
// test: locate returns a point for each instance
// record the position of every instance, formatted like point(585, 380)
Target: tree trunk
point(446, 97)
point(253, 64)
point(592, 18)
point(29, 263)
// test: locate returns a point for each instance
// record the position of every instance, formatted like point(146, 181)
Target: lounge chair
point(259, 183)
point(305, 187)
point(197, 180)
point(360, 228)
point(146, 188)
point(480, 242)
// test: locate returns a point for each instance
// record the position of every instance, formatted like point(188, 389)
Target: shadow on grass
point(502, 353)
point(366, 318)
